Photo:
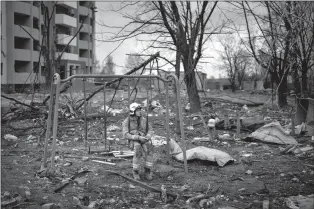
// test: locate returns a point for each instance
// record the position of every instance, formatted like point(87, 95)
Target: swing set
point(54, 106)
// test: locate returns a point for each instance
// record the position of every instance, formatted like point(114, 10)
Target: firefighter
point(138, 132)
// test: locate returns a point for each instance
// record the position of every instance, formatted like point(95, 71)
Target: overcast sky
point(103, 49)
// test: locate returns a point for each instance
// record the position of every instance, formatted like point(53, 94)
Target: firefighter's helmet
point(133, 107)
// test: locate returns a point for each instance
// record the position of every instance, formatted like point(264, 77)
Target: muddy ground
point(274, 176)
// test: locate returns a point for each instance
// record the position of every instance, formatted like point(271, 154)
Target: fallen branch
point(138, 183)
point(18, 102)
point(65, 88)
point(71, 180)
point(119, 79)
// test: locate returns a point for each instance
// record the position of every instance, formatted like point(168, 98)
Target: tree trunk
point(282, 93)
point(194, 98)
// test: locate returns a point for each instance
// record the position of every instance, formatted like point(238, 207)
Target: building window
point(35, 23)
point(22, 43)
point(21, 66)
point(36, 45)
point(21, 19)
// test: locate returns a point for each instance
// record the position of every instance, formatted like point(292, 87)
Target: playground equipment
point(54, 105)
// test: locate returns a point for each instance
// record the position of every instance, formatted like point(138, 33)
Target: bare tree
point(108, 69)
point(235, 60)
point(132, 62)
point(175, 27)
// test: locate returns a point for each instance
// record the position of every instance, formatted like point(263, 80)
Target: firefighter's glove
point(142, 139)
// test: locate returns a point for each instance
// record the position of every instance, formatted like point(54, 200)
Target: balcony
point(68, 4)
point(65, 20)
point(84, 59)
point(19, 32)
point(84, 44)
point(22, 54)
point(84, 10)
point(35, 55)
point(35, 33)
point(21, 78)
point(67, 56)
point(35, 11)
point(64, 39)
point(22, 7)
point(87, 28)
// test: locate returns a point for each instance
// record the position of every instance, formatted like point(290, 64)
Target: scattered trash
point(174, 147)
point(252, 144)
point(85, 158)
point(50, 206)
point(249, 172)
point(300, 128)
point(295, 179)
point(10, 137)
point(123, 153)
point(158, 140)
point(205, 153)
point(200, 139)
point(31, 137)
point(272, 133)
point(245, 108)
point(113, 128)
point(247, 155)
point(190, 128)
point(104, 162)
point(224, 137)
point(300, 202)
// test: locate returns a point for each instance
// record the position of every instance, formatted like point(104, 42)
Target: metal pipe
point(179, 106)
point(112, 76)
point(167, 123)
point(48, 128)
point(56, 78)
point(105, 117)
point(85, 110)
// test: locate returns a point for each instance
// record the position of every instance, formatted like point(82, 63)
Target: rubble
point(272, 133)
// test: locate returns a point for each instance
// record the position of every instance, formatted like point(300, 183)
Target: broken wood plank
point(103, 162)
point(125, 155)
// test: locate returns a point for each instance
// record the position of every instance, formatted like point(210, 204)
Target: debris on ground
point(300, 202)
point(158, 140)
point(10, 137)
point(205, 153)
point(271, 133)
point(174, 147)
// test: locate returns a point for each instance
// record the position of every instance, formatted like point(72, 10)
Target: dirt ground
point(274, 176)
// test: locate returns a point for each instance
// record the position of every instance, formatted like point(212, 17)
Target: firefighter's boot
point(148, 174)
point(136, 175)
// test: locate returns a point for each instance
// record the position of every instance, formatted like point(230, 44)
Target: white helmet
point(133, 107)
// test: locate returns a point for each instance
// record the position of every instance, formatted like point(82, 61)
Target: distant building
point(20, 52)
point(218, 84)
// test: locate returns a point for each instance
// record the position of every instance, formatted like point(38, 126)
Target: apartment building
point(22, 31)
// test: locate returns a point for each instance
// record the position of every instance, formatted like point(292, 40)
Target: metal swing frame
point(54, 106)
